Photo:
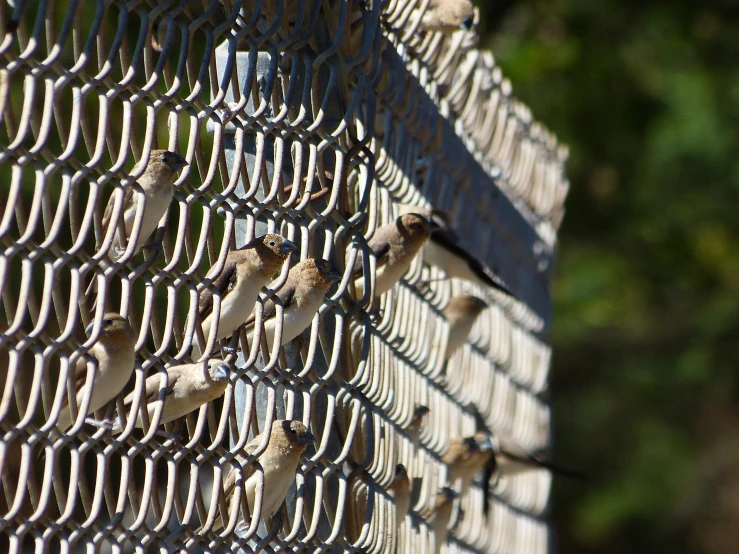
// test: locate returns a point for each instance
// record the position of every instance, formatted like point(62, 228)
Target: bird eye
point(107, 322)
point(293, 431)
point(271, 243)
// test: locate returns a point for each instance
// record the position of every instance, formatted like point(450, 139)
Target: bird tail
point(563, 472)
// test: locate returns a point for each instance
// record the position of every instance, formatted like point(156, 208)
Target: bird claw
point(100, 424)
point(423, 286)
point(155, 249)
point(375, 314)
point(229, 350)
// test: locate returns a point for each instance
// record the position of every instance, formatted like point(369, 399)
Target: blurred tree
point(646, 94)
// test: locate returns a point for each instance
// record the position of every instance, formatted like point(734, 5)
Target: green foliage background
point(644, 383)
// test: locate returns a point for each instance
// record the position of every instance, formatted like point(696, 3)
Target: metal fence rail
point(312, 119)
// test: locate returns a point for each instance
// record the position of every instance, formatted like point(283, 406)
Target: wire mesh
point(312, 119)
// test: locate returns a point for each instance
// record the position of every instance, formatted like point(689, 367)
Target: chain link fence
point(315, 120)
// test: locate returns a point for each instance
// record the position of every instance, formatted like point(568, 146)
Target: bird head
point(415, 227)
point(419, 412)
point(318, 273)
point(400, 473)
point(465, 305)
point(163, 165)
point(218, 370)
point(445, 495)
point(454, 14)
point(272, 250)
point(115, 330)
point(292, 433)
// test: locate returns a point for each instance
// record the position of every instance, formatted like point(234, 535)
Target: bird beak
point(221, 372)
point(485, 445)
point(179, 164)
point(307, 438)
point(433, 226)
point(466, 25)
point(88, 329)
point(334, 275)
point(286, 247)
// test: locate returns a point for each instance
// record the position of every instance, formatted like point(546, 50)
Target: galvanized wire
point(358, 111)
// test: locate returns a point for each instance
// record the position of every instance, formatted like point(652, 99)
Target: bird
point(415, 426)
point(444, 500)
point(445, 251)
point(156, 183)
point(400, 491)
point(461, 313)
point(466, 457)
point(448, 16)
point(188, 387)
point(509, 459)
point(245, 271)
point(288, 440)
point(394, 245)
point(301, 297)
point(115, 354)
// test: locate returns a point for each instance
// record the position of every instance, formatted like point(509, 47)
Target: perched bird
point(115, 355)
point(279, 462)
point(188, 387)
point(509, 458)
point(156, 183)
point(394, 245)
point(461, 313)
point(448, 16)
point(301, 297)
point(445, 251)
point(244, 273)
point(443, 510)
point(400, 491)
point(466, 457)
point(416, 424)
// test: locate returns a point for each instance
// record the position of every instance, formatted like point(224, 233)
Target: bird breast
point(279, 473)
point(157, 202)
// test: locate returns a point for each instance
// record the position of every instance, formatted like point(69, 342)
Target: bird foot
point(154, 249)
point(100, 423)
point(423, 286)
point(375, 314)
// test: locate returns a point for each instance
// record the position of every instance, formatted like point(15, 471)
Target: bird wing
point(79, 374)
point(286, 294)
point(223, 283)
point(380, 249)
point(128, 202)
point(153, 385)
point(230, 482)
point(447, 239)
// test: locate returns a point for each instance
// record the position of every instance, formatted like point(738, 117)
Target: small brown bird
point(400, 491)
point(394, 246)
point(287, 442)
point(466, 457)
point(188, 387)
point(244, 273)
point(156, 183)
point(448, 16)
point(115, 355)
point(301, 297)
point(461, 313)
point(443, 511)
point(416, 425)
